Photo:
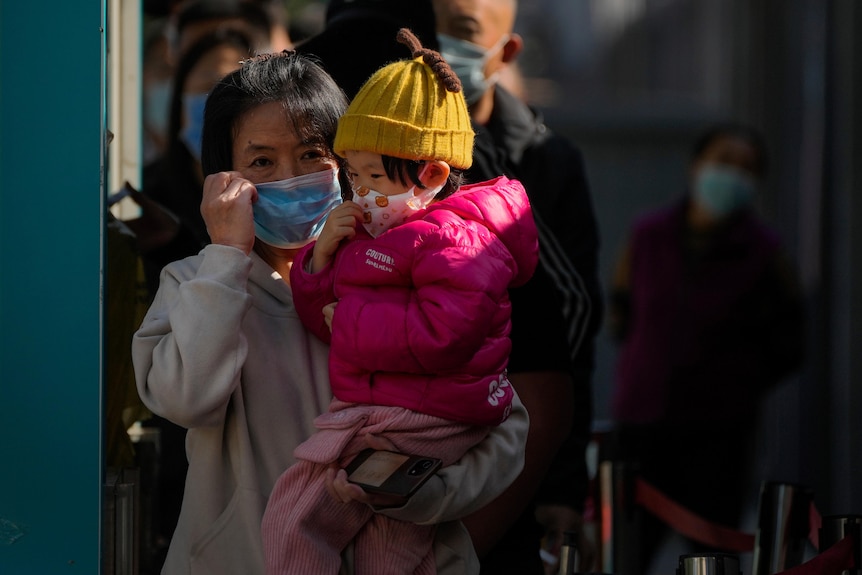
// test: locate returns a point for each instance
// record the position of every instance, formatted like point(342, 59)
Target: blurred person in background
point(175, 179)
point(556, 315)
point(709, 316)
point(156, 76)
point(193, 19)
point(279, 24)
point(373, 25)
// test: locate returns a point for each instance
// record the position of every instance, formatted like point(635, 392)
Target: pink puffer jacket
point(423, 314)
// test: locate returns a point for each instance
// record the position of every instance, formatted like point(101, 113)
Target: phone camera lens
point(420, 467)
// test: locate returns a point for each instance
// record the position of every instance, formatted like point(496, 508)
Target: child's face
point(365, 169)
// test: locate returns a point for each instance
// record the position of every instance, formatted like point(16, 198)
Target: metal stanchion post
point(834, 528)
point(783, 527)
point(620, 519)
point(120, 522)
point(708, 564)
point(569, 554)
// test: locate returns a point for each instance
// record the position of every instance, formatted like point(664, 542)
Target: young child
point(419, 335)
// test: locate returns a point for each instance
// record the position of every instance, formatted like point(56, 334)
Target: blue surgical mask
point(290, 213)
point(468, 61)
point(722, 190)
point(193, 114)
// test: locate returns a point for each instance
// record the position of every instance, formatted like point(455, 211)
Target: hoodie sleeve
point(189, 351)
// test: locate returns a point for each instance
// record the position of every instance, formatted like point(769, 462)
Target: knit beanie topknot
point(412, 109)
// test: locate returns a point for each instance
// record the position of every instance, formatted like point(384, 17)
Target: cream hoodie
point(222, 352)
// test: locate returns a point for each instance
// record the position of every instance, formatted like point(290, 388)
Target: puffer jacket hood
point(502, 206)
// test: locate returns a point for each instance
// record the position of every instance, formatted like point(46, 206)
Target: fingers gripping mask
point(291, 213)
point(381, 212)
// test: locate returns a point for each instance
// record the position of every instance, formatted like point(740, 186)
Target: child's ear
point(434, 173)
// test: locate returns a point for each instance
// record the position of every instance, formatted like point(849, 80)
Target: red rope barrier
point(833, 561)
point(690, 524)
point(814, 523)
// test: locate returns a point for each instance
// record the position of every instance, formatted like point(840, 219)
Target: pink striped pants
point(305, 530)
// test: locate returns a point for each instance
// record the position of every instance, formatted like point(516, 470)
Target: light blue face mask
point(193, 113)
point(468, 61)
point(157, 104)
point(290, 213)
point(722, 190)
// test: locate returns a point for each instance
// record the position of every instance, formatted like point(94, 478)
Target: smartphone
point(391, 473)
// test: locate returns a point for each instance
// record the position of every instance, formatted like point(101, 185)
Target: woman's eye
point(260, 162)
point(313, 155)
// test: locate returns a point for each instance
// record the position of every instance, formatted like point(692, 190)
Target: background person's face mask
point(468, 61)
point(193, 114)
point(157, 105)
point(290, 213)
point(722, 190)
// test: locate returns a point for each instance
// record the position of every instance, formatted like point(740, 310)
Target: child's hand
point(340, 225)
point(328, 312)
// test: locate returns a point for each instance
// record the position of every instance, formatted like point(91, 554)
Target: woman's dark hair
point(223, 36)
point(311, 100)
point(733, 130)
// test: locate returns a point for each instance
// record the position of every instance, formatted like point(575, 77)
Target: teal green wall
point(50, 282)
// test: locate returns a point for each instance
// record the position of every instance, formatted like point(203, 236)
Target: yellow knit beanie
point(412, 109)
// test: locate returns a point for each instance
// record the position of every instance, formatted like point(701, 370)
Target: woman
point(709, 317)
point(223, 353)
point(174, 182)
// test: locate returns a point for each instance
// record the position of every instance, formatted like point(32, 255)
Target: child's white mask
point(381, 212)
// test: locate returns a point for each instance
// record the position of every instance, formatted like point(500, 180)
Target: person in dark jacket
point(709, 316)
point(553, 335)
point(371, 25)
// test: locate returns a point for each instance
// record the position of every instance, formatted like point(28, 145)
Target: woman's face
point(212, 67)
point(723, 179)
point(731, 151)
point(266, 148)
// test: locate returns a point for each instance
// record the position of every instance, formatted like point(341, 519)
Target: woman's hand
point(227, 210)
point(340, 225)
